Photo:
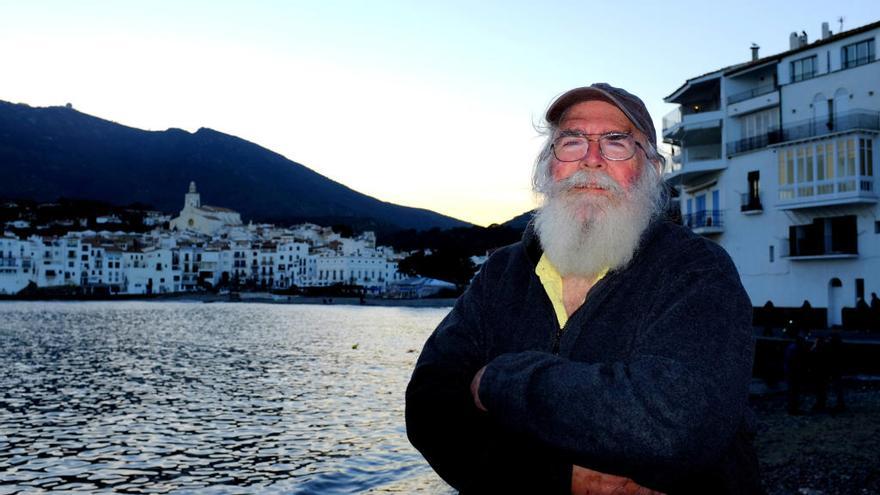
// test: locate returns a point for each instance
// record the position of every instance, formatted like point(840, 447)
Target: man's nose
point(594, 158)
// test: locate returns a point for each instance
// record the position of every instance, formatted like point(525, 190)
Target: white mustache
point(583, 178)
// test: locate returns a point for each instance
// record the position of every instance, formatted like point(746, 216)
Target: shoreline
point(248, 297)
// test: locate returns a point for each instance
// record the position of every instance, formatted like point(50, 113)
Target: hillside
point(58, 152)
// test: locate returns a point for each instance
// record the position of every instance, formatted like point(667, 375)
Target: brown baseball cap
point(628, 103)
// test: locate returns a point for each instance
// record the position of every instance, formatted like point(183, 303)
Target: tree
point(442, 264)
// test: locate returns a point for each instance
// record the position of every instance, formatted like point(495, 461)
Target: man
point(609, 351)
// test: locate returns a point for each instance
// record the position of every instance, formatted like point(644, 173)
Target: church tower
point(193, 199)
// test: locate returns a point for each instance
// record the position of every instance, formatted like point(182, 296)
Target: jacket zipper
point(556, 341)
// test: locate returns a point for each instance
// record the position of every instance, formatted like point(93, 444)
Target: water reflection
point(162, 397)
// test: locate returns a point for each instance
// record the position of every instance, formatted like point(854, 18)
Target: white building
point(203, 219)
point(15, 268)
point(151, 272)
point(207, 248)
point(776, 160)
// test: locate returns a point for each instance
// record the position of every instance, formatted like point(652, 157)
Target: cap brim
point(578, 95)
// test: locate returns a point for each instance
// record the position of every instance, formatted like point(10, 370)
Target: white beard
point(584, 234)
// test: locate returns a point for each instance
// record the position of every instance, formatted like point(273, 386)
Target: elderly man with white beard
point(609, 351)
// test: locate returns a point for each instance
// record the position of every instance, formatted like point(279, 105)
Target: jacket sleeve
point(664, 414)
point(469, 449)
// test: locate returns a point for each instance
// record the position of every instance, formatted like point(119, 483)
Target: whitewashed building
point(208, 247)
point(151, 271)
point(776, 160)
point(15, 268)
point(203, 219)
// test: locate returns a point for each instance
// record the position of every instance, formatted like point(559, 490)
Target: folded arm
point(661, 415)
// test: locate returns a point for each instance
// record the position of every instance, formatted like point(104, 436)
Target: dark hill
point(55, 152)
point(519, 222)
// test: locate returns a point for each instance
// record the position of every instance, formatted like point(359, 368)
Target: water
point(146, 397)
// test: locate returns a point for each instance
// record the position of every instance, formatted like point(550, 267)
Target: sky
point(428, 104)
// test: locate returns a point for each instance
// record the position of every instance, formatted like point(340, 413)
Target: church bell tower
point(193, 199)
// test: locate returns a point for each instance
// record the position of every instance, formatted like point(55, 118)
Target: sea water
point(174, 397)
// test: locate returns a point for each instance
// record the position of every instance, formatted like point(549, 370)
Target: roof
point(697, 79)
point(216, 209)
point(733, 69)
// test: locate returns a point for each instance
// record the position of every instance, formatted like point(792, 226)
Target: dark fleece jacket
point(648, 379)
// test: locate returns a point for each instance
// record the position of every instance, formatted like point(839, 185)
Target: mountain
point(519, 222)
point(58, 152)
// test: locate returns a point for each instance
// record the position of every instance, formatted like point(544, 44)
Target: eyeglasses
point(614, 146)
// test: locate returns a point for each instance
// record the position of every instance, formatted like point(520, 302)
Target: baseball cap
point(628, 103)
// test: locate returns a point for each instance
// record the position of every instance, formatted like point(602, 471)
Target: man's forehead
point(598, 116)
point(580, 125)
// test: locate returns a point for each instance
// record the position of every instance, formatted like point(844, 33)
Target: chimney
point(803, 38)
point(755, 49)
point(826, 33)
point(793, 42)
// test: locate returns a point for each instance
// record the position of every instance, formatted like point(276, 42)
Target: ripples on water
point(149, 397)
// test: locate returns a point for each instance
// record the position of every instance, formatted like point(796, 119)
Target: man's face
point(598, 117)
point(596, 209)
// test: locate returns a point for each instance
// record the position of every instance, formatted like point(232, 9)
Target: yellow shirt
point(552, 282)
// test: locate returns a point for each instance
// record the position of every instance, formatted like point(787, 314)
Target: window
point(753, 197)
point(771, 254)
point(758, 124)
point(824, 236)
point(866, 157)
point(857, 54)
point(803, 69)
point(860, 289)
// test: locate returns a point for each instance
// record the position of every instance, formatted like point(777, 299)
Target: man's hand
point(588, 482)
point(475, 389)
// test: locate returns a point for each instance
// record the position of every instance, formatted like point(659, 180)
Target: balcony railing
point(672, 119)
point(749, 203)
point(803, 129)
point(802, 76)
point(849, 64)
point(703, 219)
point(745, 95)
point(854, 119)
point(841, 188)
point(772, 136)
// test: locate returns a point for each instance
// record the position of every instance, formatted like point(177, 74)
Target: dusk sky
point(423, 104)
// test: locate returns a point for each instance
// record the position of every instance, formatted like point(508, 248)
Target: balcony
point(803, 76)
point(845, 121)
point(671, 121)
point(855, 62)
point(694, 162)
point(752, 93)
point(750, 205)
point(704, 222)
point(839, 191)
point(755, 99)
point(826, 238)
point(772, 136)
point(682, 121)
